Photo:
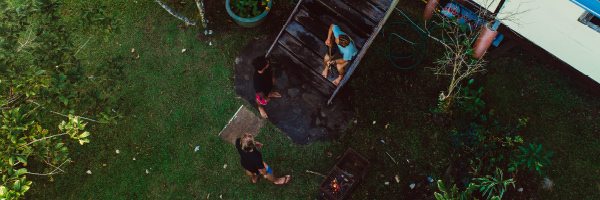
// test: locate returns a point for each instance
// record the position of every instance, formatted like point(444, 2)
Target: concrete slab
point(243, 121)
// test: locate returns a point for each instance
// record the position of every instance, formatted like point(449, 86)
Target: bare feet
point(283, 180)
point(263, 113)
point(254, 179)
point(336, 82)
point(274, 95)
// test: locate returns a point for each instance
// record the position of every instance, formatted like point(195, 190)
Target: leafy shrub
point(42, 85)
point(532, 157)
point(470, 101)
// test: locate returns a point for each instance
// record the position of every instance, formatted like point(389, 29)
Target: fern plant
point(452, 193)
point(493, 187)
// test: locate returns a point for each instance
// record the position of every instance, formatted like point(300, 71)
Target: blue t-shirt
point(349, 51)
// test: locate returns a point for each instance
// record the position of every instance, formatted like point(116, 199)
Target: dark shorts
point(257, 172)
point(335, 52)
point(261, 101)
point(333, 72)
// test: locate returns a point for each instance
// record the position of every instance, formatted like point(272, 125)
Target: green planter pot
point(247, 22)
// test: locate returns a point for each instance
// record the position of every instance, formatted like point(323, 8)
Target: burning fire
point(335, 186)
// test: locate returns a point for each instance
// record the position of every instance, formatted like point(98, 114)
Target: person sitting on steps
point(347, 49)
point(263, 84)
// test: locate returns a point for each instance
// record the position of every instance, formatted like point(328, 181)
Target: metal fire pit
point(344, 176)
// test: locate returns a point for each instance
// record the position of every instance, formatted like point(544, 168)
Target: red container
point(430, 8)
point(484, 41)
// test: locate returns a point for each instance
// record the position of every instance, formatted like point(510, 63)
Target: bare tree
point(457, 39)
point(200, 6)
point(456, 62)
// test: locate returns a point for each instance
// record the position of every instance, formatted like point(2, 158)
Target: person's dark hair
point(344, 40)
point(259, 63)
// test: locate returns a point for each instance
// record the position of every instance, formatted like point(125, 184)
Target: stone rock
point(311, 99)
point(293, 92)
point(316, 132)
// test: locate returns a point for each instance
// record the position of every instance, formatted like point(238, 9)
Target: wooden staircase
point(302, 39)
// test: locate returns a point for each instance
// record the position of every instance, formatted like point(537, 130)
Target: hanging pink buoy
point(429, 9)
point(484, 41)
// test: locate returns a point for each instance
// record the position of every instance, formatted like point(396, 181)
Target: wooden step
point(382, 4)
point(298, 68)
point(367, 9)
point(313, 41)
point(328, 14)
point(302, 52)
point(344, 9)
point(319, 25)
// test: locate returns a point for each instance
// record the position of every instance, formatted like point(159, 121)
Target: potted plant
point(248, 13)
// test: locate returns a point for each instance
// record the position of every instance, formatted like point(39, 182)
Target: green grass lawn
point(174, 101)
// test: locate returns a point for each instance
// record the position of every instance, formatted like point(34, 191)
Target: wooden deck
point(302, 39)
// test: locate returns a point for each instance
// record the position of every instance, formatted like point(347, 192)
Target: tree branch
point(52, 172)
point(44, 138)
point(60, 114)
point(176, 15)
point(81, 47)
point(200, 6)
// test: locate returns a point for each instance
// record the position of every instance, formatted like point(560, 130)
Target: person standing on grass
point(263, 84)
point(251, 160)
point(338, 62)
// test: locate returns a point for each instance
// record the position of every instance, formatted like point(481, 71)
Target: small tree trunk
point(187, 21)
point(200, 6)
